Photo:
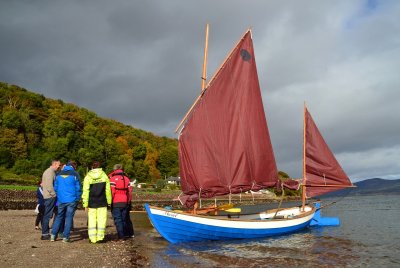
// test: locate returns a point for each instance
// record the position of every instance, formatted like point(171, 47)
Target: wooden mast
point(211, 80)
point(204, 76)
point(203, 86)
point(303, 186)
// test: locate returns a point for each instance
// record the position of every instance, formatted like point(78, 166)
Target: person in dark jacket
point(40, 201)
point(121, 192)
point(68, 188)
point(95, 199)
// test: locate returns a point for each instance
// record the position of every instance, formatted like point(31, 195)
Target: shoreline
point(26, 200)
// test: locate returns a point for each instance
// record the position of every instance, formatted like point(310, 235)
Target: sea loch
point(369, 236)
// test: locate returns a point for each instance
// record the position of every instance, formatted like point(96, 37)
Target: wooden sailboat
point(225, 148)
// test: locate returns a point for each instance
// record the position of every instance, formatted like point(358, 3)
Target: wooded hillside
point(35, 129)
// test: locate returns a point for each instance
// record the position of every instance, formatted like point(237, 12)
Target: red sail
point(225, 146)
point(323, 172)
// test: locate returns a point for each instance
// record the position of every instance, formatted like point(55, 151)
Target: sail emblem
point(245, 55)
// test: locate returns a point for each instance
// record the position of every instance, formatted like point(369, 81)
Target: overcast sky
point(140, 62)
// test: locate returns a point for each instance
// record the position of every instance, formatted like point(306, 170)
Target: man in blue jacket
point(68, 188)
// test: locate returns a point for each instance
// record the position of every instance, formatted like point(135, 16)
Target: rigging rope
point(200, 197)
point(179, 198)
point(338, 200)
point(252, 195)
point(280, 202)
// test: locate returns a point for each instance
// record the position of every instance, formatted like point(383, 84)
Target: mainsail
point(323, 173)
point(224, 146)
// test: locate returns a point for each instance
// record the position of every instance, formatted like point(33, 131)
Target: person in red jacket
point(121, 192)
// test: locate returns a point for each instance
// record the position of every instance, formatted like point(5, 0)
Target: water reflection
point(362, 240)
point(306, 248)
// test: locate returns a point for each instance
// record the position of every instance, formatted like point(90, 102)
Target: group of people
point(62, 186)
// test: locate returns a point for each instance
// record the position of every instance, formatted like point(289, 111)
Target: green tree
point(23, 166)
point(11, 119)
point(283, 175)
point(13, 145)
point(151, 160)
point(140, 151)
point(57, 147)
point(168, 161)
point(141, 171)
point(160, 184)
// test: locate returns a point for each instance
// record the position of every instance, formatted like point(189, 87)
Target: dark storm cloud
point(139, 62)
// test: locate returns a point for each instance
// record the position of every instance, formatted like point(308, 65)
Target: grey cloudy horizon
point(140, 62)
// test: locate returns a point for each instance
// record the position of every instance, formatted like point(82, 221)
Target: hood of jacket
point(116, 172)
point(68, 168)
point(95, 173)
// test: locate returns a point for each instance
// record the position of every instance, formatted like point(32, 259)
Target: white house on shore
point(174, 180)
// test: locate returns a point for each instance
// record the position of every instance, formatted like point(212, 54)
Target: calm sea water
point(369, 236)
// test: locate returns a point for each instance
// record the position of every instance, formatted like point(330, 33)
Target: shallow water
point(369, 236)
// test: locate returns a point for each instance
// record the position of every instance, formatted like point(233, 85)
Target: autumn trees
point(35, 129)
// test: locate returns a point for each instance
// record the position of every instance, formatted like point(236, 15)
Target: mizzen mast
point(303, 185)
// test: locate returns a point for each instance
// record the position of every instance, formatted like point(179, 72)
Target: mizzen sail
point(224, 145)
point(323, 173)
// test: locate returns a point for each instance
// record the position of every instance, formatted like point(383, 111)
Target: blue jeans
point(49, 204)
point(66, 212)
point(54, 219)
point(120, 216)
point(128, 224)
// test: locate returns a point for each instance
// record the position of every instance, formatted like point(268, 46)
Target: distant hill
point(35, 129)
point(370, 187)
